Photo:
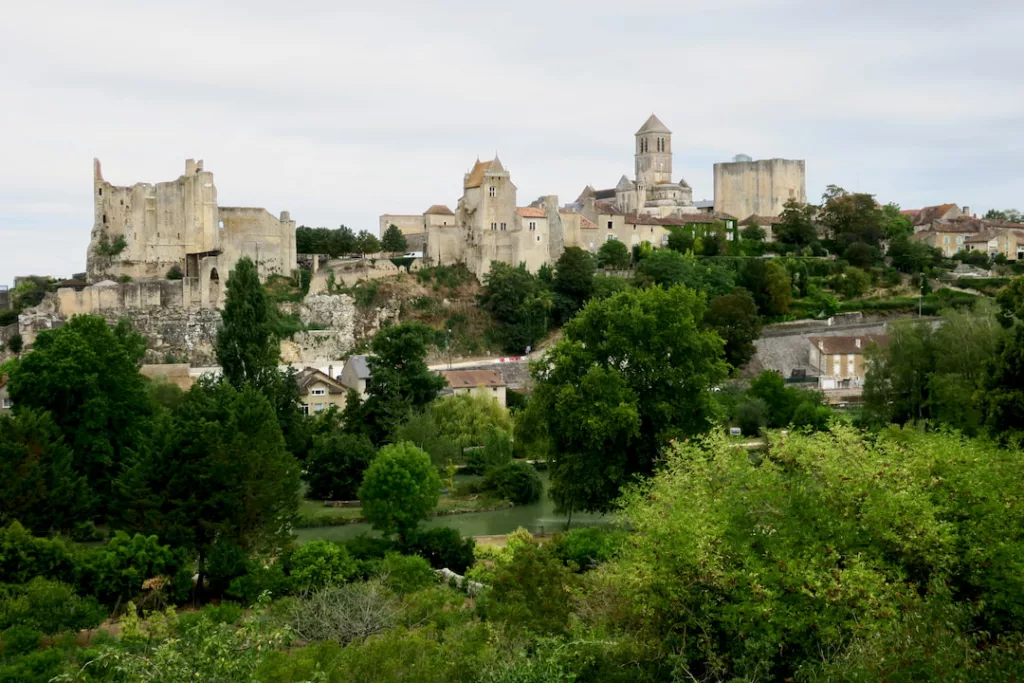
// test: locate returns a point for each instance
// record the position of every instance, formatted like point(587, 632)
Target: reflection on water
point(537, 517)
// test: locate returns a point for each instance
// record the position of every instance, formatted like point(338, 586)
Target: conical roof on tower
point(653, 125)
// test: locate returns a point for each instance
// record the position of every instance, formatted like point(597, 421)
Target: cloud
point(341, 111)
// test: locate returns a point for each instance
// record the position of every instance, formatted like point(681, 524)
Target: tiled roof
point(585, 223)
point(310, 376)
point(958, 225)
point(463, 379)
point(605, 194)
point(932, 213)
point(480, 169)
point(608, 209)
point(439, 210)
point(910, 213)
point(845, 345)
point(531, 212)
point(982, 237)
point(761, 220)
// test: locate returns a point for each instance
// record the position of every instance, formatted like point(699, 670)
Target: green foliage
point(861, 255)
point(442, 547)
point(989, 286)
point(573, 282)
point(422, 430)
point(109, 249)
point(38, 483)
point(247, 345)
point(734, 317)
point(86, 375)
point(586, 548)
point(770, 285)
point(516, 482)
point(852, 283)
point(753, 232)
point(782, 403)
point(613, 254)
point(335, 465)
point(114, 572)
point(320, 563)
point(668, 268)
point(340, 242)
point(367, 243)
point(28, 293)
point(15, 344)
point(913, 257)
point(19, 640)
point(47, 606)
point(751, 416)
point(174, 273)
point(406, 574)
point(393, 240)
point(520, 306)
point(400, 488)
point(797, 224)
point(467, 420)
point(632, 372)
point(531, 591)
point(495, 452)
point(451, 277)
point(399, 383)
point(822, 304)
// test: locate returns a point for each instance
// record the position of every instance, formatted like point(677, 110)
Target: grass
point(313, 513)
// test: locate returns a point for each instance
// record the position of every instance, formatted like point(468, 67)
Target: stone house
point(1007, 241)
point(840, 359)
point(355, 374)
point(318, 391)
point(5, 397)
point(949, 236)
point(924, 219)
point(475, 382)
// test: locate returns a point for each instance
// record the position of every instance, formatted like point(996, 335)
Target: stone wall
point(758, 187)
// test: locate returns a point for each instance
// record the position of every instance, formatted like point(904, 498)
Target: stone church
point(653, 192)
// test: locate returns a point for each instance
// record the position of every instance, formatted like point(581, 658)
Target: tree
point(852, 283)
point(15, 344)
point(465, 420)
point(613, 254)
point(781, 401)
point(861, 255)
point(896, 384)
point(247, 348)
point(336, 463)
point(38, 483)
point(86, 375)
point(774, 299)
point(394, 240)
point(796, 224)
point(913, 257)
point(681, 239)
point(897, 226)
point(734, 317)
point(1003, 385)
point(519, 304)
point(669, 268)
point(851, 218)
point(400, 381)
point(631, 373)
point(367, 243)
point(753, 232)
point(223, 476)
point(1006, 215)
point(399, 489)
point(573, 282)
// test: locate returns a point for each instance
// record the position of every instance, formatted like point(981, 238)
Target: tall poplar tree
point(247, 348)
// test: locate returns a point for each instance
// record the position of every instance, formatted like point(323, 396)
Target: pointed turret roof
point(588, 193)
point(683, 183)
point(653, 125)
point(496, 166)
point(625, 184)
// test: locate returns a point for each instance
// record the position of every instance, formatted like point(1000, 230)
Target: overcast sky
point(339, 111)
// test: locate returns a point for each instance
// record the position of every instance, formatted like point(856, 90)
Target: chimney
point(856, 342)
point(330, 372)
point(967, 211)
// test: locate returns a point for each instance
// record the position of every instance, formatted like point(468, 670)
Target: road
point(337, 365)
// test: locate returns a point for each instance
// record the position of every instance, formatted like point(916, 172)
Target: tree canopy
point(521, 306)
point(399, 489)
point(632, 372)
point(247, 347)
point(573, 282)
point(393, 240)
point(734, 317)
point(613, 254)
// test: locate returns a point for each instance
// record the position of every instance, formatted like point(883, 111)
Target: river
point(537, 517)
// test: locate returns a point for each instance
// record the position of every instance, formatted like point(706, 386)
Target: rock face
point(329, 311)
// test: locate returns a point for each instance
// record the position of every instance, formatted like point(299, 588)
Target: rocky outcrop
point(329, 311)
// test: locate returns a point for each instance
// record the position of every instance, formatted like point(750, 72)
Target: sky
point(339, 111)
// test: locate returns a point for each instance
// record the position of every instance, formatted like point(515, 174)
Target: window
point(609, 237)
point(318, 392)
point(538, 238)
point(503, 227)
point(101, 191)
point(494, 226)
point(960, 240)
point(490, 191)
point(533, 225)
point(305, 409)
point(610, 225)
point(945, 240)
point(7, 404)
point(318, 408)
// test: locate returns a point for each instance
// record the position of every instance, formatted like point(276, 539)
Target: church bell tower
point(653, 153)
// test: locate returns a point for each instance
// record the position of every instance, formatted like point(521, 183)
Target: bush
point(443, 547)
point(115, 571)
point(344, 613)
point(24, 556)
point(47, 606)
point(583, 549)
point(175, 273)
point(496, 452)
point(516, 482)
point(20, 640)
point(15, 344)
point(406, 574)
point(320, 563)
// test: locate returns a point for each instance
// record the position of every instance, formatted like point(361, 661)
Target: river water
point(537, 518)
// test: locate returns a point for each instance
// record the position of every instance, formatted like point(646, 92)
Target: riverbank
point(313, 514)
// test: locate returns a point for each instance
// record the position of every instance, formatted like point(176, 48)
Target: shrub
point(320, 563)
point(443, 547)
point(20, 640)
point(259, 578)
point(24, 556)
point(496, 452)
point(406, 574)
point(115, 571)
point(516, 482)
point(344, 613)
point(585, 548)
point(175, 273)
point(47, 606)
point(531, 591)
point(15, 343)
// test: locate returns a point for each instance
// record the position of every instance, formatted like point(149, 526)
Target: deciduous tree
point(399, 489)
point(613, 254)
point(394, 240)
point(734, 317)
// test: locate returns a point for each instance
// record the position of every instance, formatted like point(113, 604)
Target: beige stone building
point(993, 241)
point(318, 391)
point(476, 383)
point(950, 236)
point(744, 187)
point(355, 374)
point(840, 360)
point(145, 231)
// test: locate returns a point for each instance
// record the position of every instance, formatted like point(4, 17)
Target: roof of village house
point(932, 213)
point(439, 210)
point(982, 237)
point(585, 223)
point(607, 193)
point(531, 212)
point(958, 225)
point(360, 365)
point(761, 220)
point(480, 169)
point(310, 376)
point(608, 209)
point(653, 125)
point(465, 379)
point(910, 213)
point(846, 345)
